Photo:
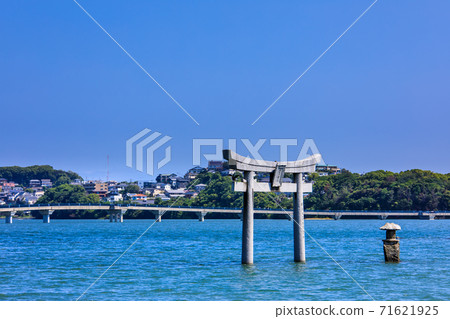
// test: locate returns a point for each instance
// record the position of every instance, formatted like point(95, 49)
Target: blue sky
point(379, 99)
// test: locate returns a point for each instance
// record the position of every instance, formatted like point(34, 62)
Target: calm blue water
point(189, 260)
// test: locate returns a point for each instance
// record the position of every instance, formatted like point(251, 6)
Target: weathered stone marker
point(249, 186)
point(391, 244)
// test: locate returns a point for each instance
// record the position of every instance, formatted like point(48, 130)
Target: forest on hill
point(379, 190)
point(23, 175)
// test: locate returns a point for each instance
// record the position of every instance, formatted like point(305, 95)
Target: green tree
point(64, 179)
point(132, 189)
point(70, 194)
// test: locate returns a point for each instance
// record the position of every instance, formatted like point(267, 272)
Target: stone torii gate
point(249, 186)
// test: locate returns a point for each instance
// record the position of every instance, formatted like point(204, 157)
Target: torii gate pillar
point(247, 219)
point(299, 221)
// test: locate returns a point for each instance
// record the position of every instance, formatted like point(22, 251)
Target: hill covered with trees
point(23, 175)
point(379, 190)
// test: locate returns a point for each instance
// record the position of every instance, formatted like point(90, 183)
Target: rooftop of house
point(167, 175)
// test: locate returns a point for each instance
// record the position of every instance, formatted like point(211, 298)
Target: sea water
point(191, 260)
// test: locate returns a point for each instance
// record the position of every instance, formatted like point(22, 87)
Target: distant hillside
point(381, 190)
point(23, 175)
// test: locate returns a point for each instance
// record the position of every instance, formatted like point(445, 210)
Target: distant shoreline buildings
point(164, 188)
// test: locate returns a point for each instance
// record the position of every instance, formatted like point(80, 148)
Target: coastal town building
point(181, 182)
point(149, 185)
point(173, 193)
point(163, 197)
point(164, 178)
point(325, 170)
point(138, 198)
point(114, 198)
point(9, 185)
point(47, 183)
point(153, 192)
point(215, 166)
point(35, 183)
point(39, 193)
point(193, 172)
point(26, 198)
point(97, 187)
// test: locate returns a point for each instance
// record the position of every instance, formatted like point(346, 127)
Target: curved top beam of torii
point(246, 164)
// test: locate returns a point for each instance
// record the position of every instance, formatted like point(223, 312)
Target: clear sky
point(378, 99)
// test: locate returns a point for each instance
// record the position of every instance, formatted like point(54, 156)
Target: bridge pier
point(247, 220)
point(241, 216)
point(426, 215)
point(289, 217)
point(158, 214)
point(46, 216)
point(383, 216)
point(299, 221)
point(121, 213)
point(116, 216)
point(337, 216)
point(201, 216)
point(9, 217)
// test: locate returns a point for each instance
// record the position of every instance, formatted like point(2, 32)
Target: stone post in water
point(391, 244)
point(299, 220)
point(247, 220)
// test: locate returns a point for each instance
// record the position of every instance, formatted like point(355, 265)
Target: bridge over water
point(117, 212)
